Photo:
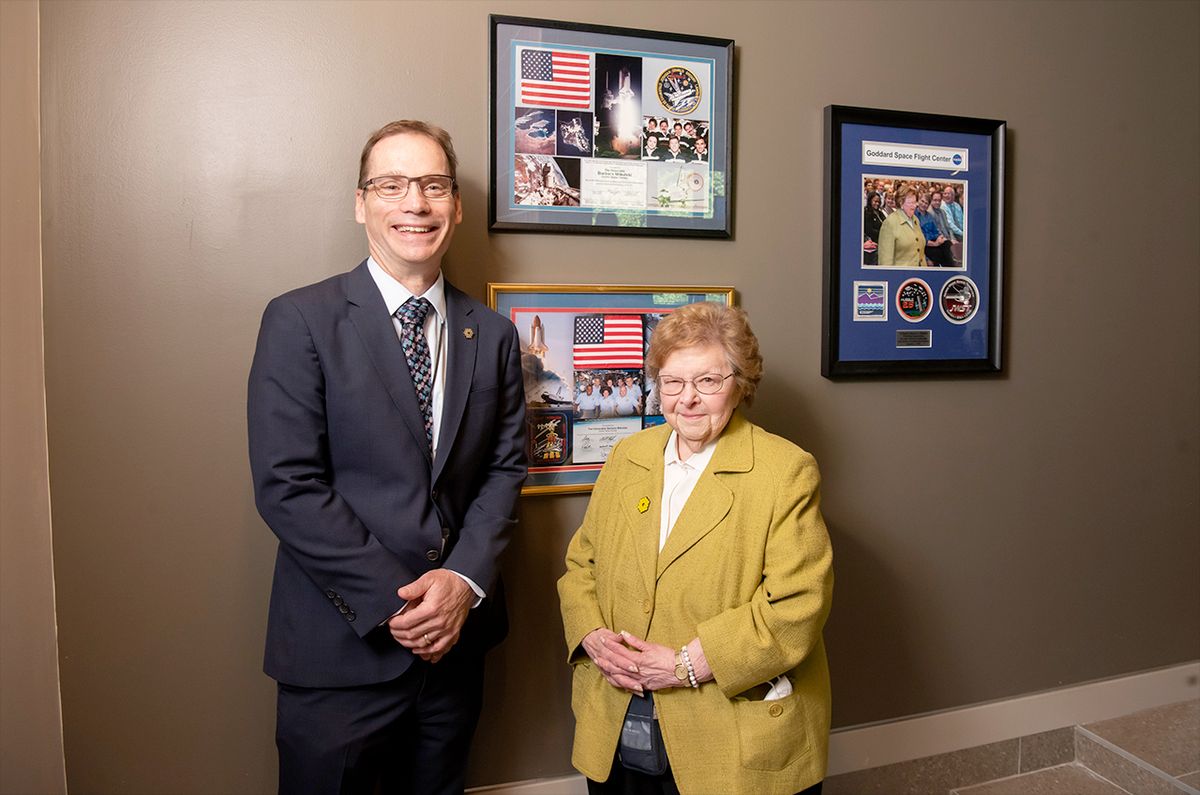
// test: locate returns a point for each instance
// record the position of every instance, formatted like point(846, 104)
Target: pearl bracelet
point(687, 661)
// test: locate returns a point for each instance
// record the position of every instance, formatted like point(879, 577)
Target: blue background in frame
point(876, 341)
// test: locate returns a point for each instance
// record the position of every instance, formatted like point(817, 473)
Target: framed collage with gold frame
point(583, 353)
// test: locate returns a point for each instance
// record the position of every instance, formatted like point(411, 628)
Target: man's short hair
point(414, 127)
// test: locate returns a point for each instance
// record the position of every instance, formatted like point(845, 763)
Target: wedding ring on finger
point(427, 640)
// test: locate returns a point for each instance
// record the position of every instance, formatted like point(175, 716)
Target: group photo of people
point(913, 223)
point(675, 140)
point(604, 394)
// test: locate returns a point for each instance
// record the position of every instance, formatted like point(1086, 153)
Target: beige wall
point(31, 742)
point(993, 536)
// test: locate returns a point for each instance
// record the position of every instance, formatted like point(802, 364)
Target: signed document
point(595, 439)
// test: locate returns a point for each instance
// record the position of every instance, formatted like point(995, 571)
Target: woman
point(701, 576)
point(873, 219)
point(901, 241)
point(608, 404)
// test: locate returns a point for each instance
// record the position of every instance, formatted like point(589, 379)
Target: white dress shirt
point(679, 480)
point(394, 295)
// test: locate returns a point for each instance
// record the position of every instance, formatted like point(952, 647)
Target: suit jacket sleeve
point(782, 623)
point(488, 522)
point(293, 482)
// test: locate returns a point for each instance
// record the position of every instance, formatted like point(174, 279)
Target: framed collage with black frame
point(609, 130)
point(914, 243)
point(583, 351)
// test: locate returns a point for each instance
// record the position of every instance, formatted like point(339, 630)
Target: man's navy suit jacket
point(343, 476)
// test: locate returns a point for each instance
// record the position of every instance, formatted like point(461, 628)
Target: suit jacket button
point(343, 609)
point(330, 594)
point(433, 494)
point(645, 605)
point(431, 554)
point(337, 600)
point(350, 616)
point(775, 710)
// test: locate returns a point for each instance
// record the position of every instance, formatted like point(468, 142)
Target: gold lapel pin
point(469, 333)
point(643, 504)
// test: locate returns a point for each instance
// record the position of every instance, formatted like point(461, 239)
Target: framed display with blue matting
point(914, 221)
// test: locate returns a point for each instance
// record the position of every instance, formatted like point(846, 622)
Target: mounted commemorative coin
point(959, 299)
point(679, 90)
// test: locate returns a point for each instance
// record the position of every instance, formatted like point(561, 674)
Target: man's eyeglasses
point(707, 384)
point(394, 187)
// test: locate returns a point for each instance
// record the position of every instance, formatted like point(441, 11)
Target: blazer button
point(339, 601)
point(775, 710)
point(645, 605)
point(431, 554)
point(434, 494)
point(350, 616)
point(343, 609)
point(330, 594)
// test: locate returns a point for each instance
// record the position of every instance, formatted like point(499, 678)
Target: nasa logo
point(959, 300)
point(957, 160)
point(679, 90)
point(914, 299)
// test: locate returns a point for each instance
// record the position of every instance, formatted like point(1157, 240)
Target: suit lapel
point(369, 315)
point(461, 345)
point(645, 491)
point(708, 504)
point(712, 498)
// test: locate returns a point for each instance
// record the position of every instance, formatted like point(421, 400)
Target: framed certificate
point(609, 130)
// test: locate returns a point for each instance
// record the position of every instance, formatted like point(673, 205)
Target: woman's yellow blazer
point(747, 568)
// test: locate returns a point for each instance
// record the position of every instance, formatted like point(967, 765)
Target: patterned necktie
point(416, 350)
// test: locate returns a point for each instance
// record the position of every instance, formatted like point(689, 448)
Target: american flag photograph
point(608, 341)
point(555, 79)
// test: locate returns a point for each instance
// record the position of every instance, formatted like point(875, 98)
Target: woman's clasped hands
point(630, 663)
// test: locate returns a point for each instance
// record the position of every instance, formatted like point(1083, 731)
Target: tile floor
point(1152, 752)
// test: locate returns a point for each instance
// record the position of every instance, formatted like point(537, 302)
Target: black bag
point(641, 748)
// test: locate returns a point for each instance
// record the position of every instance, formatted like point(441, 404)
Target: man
point(937, 235)
point(387, 436)
point(587, 402)
point(953, 212)
point(674, 154)
point(700, 151)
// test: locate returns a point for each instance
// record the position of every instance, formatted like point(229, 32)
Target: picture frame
point(570, 143)
point(582, 354)
point(892, 305)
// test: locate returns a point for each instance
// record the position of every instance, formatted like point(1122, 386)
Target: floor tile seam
point(966, 790)
point(1105, 780)
point(1153, 770)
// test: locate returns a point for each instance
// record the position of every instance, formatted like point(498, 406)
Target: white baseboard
point(857, 748)
point(861, 747)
